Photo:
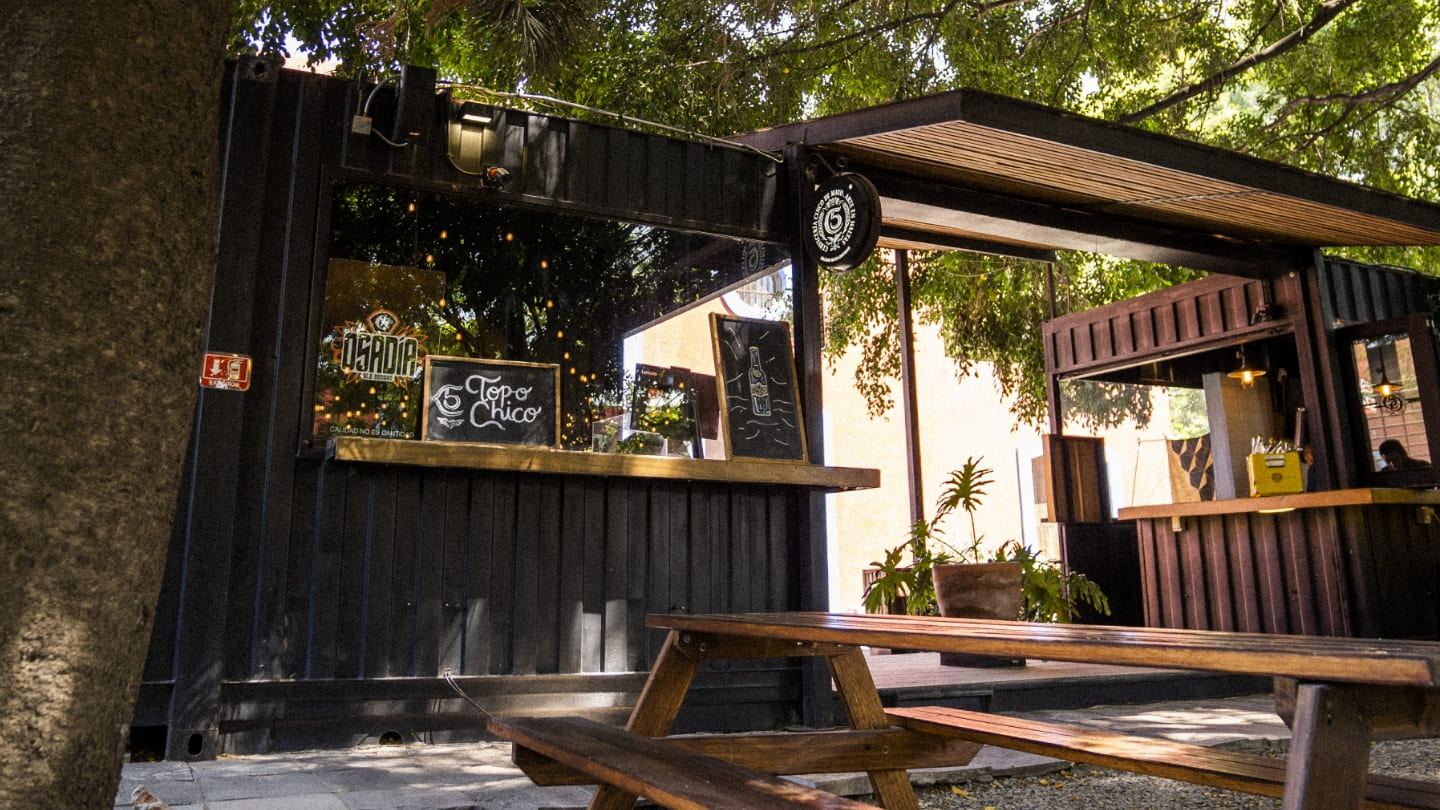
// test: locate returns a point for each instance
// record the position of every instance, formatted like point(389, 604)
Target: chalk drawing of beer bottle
point(759, 385)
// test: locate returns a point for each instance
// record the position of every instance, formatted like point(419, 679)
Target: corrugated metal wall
point(309, 601)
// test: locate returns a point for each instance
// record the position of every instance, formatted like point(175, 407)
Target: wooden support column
point(907, 386)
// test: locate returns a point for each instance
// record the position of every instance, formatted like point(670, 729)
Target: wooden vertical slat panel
point(1270, 577)
point(1215, 552)
point(480, 597)
point(1123, 328)
point(1064, 349)
point(1243, 585)
point(1104, 340)
point(1149, 573)
point(379, 571)
point(1327, 571)
point(1295, 565)
point(1166, 327)
point(1210, 314)
point(1083, 346)
point(1195, 605)
point(1187, 319)
point(1167, 556)
point(1145, 338)
point(1358, 548)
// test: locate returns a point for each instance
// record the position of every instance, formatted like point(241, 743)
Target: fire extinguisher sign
point(229, 372)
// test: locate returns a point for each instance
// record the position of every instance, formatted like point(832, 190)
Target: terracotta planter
point(979, 591)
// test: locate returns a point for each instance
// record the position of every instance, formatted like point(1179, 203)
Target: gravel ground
point(1091, 788)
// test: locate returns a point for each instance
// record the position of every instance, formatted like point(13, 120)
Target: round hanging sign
point(844, 222)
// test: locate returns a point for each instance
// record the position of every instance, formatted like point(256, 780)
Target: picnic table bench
point(1337, 694)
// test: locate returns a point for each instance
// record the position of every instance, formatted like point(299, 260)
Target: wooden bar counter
point(1356, 562)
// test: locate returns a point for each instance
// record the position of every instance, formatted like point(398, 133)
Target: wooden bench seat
point(1220, 768)
point(664, 773)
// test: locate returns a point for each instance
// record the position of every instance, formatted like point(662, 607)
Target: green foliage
point(988, 310)
point(1051, 593)
point(1348, 89)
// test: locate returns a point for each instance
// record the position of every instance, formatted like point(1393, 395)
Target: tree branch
point(1327, 11)
point(1381, 94)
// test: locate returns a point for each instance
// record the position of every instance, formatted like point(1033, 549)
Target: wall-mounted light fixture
point(1244, 373)
point(466, 152)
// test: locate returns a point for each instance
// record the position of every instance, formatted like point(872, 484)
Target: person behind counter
point(1397, 459)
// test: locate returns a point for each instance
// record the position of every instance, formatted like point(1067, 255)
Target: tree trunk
point(109, 166)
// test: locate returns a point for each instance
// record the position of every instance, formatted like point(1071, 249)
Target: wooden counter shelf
point(1277, 503)
point(468, 455)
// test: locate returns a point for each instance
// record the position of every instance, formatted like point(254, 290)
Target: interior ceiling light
point(1245, 374)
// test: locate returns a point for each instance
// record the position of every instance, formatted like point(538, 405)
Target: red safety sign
point(230, 372)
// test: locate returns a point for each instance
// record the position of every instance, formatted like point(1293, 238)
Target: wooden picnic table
point(1339, 693)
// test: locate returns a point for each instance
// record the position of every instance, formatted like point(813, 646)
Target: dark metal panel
point(426, 571)
point(325, 575)
point(637, 521)
point(377, 627)
point(570, 576)
point(616, 572)
point(480, 599)
point(351, 593)
point(505, 520)
point(593, 597)
point(454, 571)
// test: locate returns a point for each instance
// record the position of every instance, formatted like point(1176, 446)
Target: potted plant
point(1011, 583)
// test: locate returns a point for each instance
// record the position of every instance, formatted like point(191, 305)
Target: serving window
point(412, 274)
point(1392, 380)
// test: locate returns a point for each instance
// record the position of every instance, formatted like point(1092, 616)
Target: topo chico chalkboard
point(759, 398)
point(497, 401)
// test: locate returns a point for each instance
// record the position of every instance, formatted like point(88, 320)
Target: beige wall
point(957, 419)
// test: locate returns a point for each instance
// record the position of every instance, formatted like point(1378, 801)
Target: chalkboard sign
point(759, 397)
point(496, 401)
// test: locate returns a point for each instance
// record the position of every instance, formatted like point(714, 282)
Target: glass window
point(416, 273)
point(1390, 400)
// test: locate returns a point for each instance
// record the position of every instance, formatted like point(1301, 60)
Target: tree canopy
point(1342, 87)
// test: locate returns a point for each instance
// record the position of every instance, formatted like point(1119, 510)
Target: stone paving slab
point(479, 776)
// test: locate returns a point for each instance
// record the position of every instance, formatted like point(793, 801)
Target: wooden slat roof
point(1015, 173)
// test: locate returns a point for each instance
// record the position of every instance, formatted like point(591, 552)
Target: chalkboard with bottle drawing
point(759, 395)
